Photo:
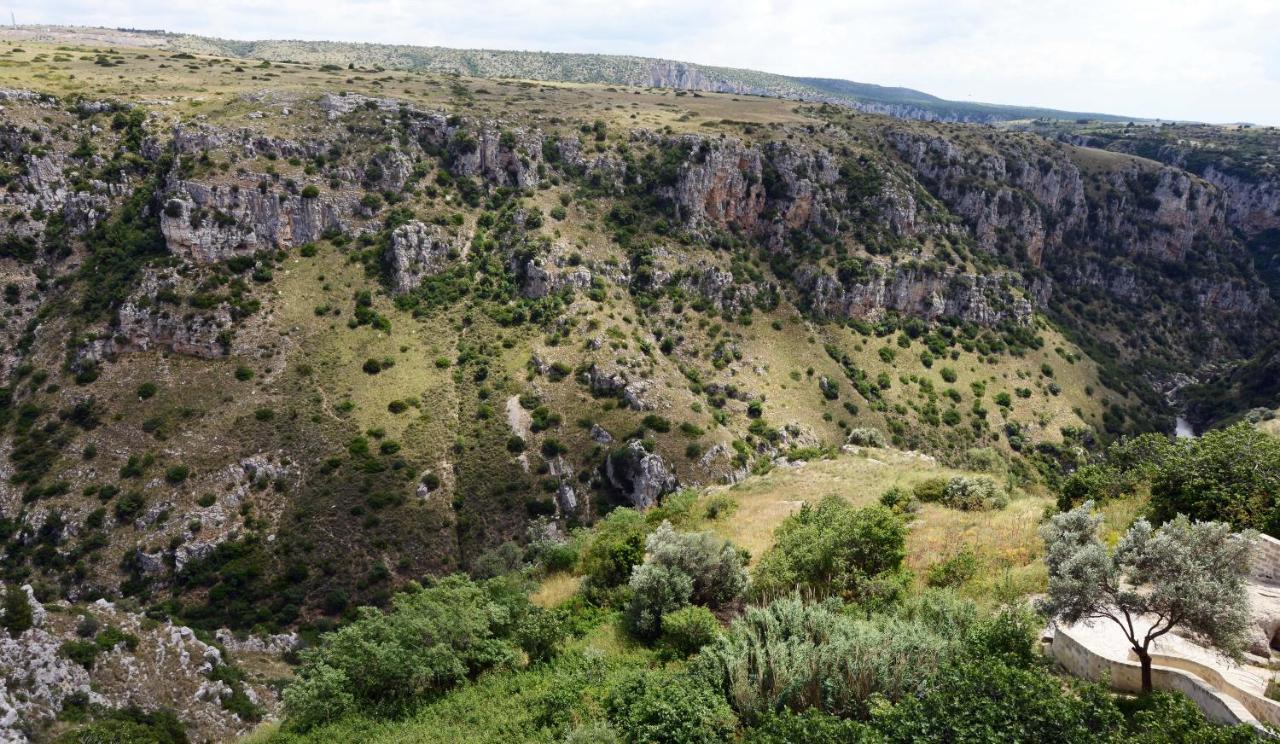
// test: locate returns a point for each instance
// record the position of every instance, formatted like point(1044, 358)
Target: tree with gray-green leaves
point(1186, 575)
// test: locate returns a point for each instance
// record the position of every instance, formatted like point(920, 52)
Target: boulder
point(642, 476)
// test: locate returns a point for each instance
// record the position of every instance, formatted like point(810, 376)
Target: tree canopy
point(1186, 574)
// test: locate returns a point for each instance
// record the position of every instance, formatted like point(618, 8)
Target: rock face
point(543, 277)
point(766, 191)
point(417, 251)
point(1099, 225)
point(642, 476)
point(208, 223)
point(983, 299)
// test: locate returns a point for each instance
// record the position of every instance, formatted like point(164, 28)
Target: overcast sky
point(1209, 60)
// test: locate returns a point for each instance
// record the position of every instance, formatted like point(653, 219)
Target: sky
point(1203, 60)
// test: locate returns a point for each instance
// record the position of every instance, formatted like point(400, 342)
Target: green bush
point(428, 641)
point(615, 547)
point(539, 633)
point(128, 726)
point(656, 590)
point(18, 616)
point(129, 506)
point(930, 490)
point(688, 629)
point(310, 191)
point(834, 548)
point(974, 494)
point(796, 655)
point(865, 437)
point(680, 569)
point(809, 726)
point(176, 474)
point(984, 700)
point(1231, 475)
point(954, 570)
point(669, 708)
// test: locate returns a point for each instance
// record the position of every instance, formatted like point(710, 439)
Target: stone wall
point(1127, 677)
point(1266, 559)
point(1264, 709)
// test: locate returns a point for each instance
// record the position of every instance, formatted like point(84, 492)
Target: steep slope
point(1241, 163)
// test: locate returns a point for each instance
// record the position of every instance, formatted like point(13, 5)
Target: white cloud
point(1162, 58)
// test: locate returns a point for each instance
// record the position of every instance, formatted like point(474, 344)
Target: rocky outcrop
point(641, 476)
point(543, 276)
point(153, 318)
point(765, 190)
point(611, 381)
point(987, 300)
point(163, 666)
point(208, 223)
point(417, 251)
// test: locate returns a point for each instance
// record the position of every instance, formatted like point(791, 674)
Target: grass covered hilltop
point(349, 402)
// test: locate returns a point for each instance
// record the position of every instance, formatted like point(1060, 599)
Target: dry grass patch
point(1005, 541)
point(556, 589)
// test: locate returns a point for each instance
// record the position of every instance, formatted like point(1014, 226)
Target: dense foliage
point(836, 549)
point(1230, 474)
point(682, 569)
point(430, 640)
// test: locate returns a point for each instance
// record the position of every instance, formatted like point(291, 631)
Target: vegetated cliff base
point(272, 355)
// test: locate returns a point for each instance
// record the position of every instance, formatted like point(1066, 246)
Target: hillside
point(604, 69)
point(283, 337)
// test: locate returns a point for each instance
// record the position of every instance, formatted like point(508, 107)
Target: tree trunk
point(1145, 658)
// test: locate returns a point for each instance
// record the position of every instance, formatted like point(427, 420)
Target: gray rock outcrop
point(642, 476)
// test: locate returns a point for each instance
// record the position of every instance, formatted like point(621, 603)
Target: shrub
point(974, 494)
point(176, 474)
point(616, 545)
point(310, 191)
point(655, 591)
point(128, 726)
point(147, 390)
point(1230, 474)
point(430, 640)
point(948, 375)
point(954, 570)
point(898, 501)
point(243, 373)
point(809, 726)
point(129, 507)
point(930, 490)
point(371, 366)
point(796, 655)
point(539, 632)
point(984, 700)
point(865, 437)
point(688, 629)
point(18, 615)
point(669, 708)
point(682, 568)
point(834, 548)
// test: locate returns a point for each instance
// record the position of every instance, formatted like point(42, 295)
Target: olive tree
point(1188, 575)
